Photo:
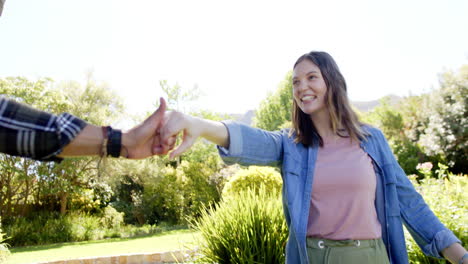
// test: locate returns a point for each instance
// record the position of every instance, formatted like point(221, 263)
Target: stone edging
point(141, 258)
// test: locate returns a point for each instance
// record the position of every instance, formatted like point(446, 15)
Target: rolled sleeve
point(252, 146)
point(442, 240)
point(235, 140)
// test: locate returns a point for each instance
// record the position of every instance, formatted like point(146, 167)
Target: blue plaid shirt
point(27, 132)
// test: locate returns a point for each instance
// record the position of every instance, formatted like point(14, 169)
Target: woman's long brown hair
point(344, 121)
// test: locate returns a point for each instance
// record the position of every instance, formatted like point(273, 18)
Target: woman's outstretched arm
point(191, 128)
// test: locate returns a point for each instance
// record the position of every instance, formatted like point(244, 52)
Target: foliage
point(250, 228)
point(200, 188)
point(447, 130)
point(447, 197)
point(47, 228)
point(431, 126)
point(36, 93)
point(128, 179)
point(110, 218)
point(4, 252)
point(275, 110)
point(178, 97)
point(253, 178)
point(29, 185)
point(163, 197)
point(179, 192)
point(392, 123)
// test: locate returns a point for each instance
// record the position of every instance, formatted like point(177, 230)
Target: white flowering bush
point(446, 131)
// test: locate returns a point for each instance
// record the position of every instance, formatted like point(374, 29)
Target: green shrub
point(41, 229)
point(447, 198)
point(163, 197)
point(253, 177)
point(85, 227)
point(111, 218)
point(48, 228)
point(247, 228)
point(177, 193)
point(4, 252)
point(199, 188)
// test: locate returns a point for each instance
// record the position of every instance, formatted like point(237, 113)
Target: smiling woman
point(322, 87)
point(345, 197)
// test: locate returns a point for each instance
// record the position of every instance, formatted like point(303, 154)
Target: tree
point(18, 175)
point(275, 110)
point(178, 97)
point(394, 125)
point(26, 182)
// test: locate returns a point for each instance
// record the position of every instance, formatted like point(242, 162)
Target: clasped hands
point(158, 133)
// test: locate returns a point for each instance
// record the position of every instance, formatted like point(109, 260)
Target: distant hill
point(246, 118)
point(363, 106)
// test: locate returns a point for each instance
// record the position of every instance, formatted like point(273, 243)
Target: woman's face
point(309, 88)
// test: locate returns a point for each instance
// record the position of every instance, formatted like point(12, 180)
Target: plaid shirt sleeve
point(27, 132)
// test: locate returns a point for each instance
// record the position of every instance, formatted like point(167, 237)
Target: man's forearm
point(87, 143)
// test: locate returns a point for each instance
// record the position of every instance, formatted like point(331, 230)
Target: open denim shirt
point(396, 199)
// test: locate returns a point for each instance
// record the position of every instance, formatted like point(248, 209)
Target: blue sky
point(234, 51)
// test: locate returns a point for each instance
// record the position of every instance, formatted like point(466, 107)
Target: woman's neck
point(322, 124)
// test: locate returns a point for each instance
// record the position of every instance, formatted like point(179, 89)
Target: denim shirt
point(396, 202)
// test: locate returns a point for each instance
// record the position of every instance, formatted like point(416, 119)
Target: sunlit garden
point(223, 213)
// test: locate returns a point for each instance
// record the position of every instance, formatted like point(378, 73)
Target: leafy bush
point(110, 218)
point(253, 177)
point(47, 228)
point(41, 229)
point(446, 132)
point(199, 188)
point(4, 252)
point(247, 228)
point(447, 198)
point(162, 198)
point(177, 193)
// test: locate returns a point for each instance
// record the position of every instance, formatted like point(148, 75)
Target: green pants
point(324, 251)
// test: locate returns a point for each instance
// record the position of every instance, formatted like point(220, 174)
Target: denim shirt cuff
point(235, 140)
point(442, 240)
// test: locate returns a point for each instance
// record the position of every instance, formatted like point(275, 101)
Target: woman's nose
point(301, 86)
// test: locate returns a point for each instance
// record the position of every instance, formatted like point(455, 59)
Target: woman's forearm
point(454, 253)
point(215, 132)
point(191, 128)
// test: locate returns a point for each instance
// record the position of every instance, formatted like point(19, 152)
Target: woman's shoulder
point(372, 131)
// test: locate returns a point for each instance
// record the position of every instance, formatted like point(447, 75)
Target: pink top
point(343, 193)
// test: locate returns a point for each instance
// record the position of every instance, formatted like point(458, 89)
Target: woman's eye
point(311, 77)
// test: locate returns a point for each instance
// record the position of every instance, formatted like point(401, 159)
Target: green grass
point(166, 241)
